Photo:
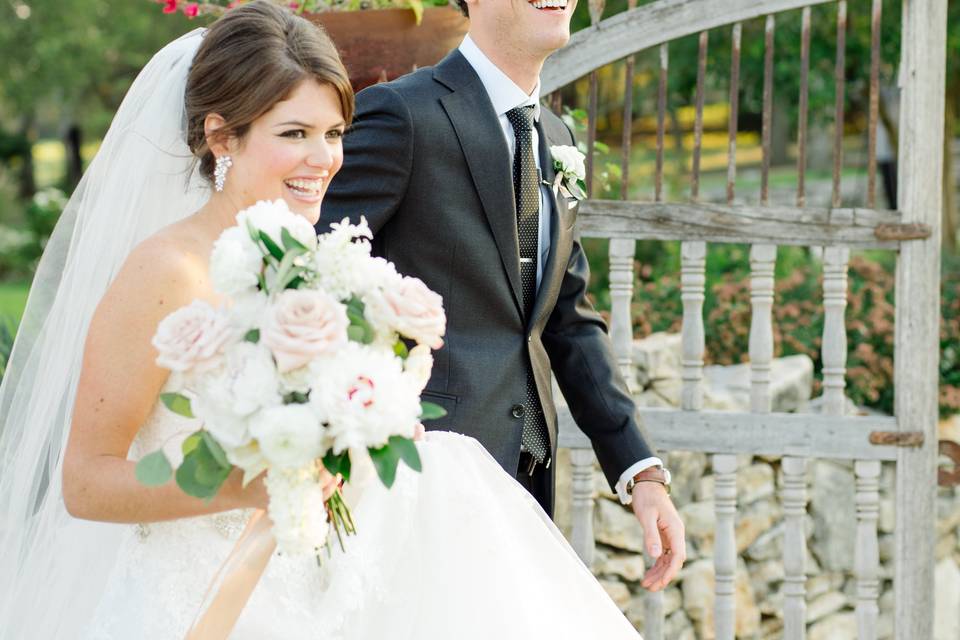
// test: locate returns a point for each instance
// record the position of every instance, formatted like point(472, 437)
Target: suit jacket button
point(517, 411)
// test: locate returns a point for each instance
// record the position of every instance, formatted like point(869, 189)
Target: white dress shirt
point(506, 95)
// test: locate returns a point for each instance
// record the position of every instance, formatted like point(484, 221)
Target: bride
point(256, 105)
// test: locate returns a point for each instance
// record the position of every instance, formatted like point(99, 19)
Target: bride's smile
point(291, 152)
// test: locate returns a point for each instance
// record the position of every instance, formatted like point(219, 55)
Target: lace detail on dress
point(165, 568)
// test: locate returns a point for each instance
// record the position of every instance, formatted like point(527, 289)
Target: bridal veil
point(52, 566)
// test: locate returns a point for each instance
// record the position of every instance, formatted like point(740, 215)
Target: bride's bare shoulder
point(167, 270)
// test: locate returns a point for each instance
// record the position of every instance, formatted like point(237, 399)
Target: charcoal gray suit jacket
point(426, 163)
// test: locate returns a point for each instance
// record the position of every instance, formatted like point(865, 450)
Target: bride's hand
point(254, 495)
point(329, 482)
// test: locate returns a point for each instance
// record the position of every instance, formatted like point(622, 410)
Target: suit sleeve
point(586, 370)
point(377, 161)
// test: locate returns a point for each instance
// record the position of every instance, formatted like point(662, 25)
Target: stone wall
point(830, 525)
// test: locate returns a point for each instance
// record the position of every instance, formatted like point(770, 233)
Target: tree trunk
point(72, 142)
point(949, 236)
point(28, 185)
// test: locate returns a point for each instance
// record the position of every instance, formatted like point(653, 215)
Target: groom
point(452, 167)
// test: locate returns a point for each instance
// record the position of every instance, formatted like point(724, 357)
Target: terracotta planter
point(388, 42)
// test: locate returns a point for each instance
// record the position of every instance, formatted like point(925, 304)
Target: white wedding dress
point(457, 551)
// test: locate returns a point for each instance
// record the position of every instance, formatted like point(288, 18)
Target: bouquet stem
point(340, 517)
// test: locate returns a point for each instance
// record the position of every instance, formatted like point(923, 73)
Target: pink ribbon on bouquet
point(231, 588)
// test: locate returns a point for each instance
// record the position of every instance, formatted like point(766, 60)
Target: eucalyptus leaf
point(338, 464)
point(187, 480)
point(271, 246)
point(252, 336)
point(407, 450)
point(178, 403)
point(254, 234)
point(289, 242)
point(191, 442)
point(292, 274)
point(215, 449)
point(283, 270)
point(431, 411)
point(385, 461)
point(154, 469)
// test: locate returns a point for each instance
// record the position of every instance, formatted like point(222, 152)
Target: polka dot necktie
point(526, 187)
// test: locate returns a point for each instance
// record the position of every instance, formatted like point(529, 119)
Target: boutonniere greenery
point(571, 172)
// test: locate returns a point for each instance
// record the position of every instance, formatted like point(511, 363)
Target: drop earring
point(220, 172)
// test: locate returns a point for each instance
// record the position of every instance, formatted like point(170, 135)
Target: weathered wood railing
point(912, 233)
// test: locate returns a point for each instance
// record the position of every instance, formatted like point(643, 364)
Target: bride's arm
point(118, 387)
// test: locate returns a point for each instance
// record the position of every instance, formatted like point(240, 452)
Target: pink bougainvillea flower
point(191, 10)
point(169, 6)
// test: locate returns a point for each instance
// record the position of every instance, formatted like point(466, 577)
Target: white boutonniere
point(570, 167)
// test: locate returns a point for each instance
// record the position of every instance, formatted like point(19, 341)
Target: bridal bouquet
point(319, 356)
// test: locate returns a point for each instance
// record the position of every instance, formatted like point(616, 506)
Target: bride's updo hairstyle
point(251, 59)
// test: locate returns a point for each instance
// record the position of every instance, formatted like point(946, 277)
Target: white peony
point(289, 435)
point(571, 160)
point(246, 382)
point(235, 263)
point(272, 217)
point(364, 397)
point(192, 337)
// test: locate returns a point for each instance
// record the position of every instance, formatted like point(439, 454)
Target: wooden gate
point(910, 438)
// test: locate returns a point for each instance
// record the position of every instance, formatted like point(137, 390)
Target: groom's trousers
point(538, 483)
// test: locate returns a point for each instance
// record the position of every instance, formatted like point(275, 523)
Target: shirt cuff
point(637, 467)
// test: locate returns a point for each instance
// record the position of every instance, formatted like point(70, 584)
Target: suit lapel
point(549, 278)
point(488, 158)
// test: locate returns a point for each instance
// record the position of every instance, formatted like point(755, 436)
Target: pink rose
point(418, 312)
point(192, 337)
point(301, 325)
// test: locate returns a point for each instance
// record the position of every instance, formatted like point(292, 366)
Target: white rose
point(289, 435)
point(234, 262)
point(571, 160)
point(230, 430)
point(192, 337)
point(413, 310)
point(301, 325)
point(248, 457)
point(272, 217)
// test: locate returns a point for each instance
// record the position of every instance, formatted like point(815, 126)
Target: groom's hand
point(663, 534)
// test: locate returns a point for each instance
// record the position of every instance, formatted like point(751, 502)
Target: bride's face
point(291, 152)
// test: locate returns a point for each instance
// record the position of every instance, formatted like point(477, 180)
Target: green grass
point(13, 297)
